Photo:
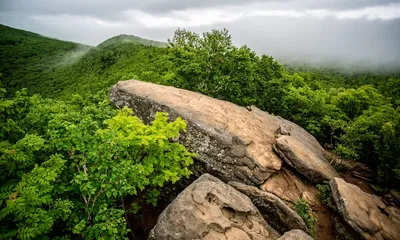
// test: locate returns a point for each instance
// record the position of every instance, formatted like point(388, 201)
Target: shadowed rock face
point(211, 209)
point(274, 210)
point(230, 142)
point(365, 213)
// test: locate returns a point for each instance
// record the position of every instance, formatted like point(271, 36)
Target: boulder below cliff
point(364, 212)
point(211, 209)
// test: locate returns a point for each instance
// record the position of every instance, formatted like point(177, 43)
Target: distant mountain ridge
point(124, 38)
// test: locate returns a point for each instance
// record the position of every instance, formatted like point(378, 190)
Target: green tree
point(71, 164)
point(354, 101)
point(212, 65)
point(373, 138)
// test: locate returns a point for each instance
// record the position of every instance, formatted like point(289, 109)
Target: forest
point(64, 175)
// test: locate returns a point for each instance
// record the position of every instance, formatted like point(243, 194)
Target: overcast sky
point(350, 30)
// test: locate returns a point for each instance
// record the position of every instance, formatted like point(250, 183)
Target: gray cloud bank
point(318, 30)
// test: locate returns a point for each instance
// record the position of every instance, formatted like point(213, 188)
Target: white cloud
point(277, 13)
point(187, 18)
point(387, 12)
point(55, 19)
point(108, 24)
point(210, 16)
point(197, 17)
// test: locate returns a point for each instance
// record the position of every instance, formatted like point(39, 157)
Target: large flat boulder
point(364, 212)
point(281, 217)
point(231, 142)
point(211, 209)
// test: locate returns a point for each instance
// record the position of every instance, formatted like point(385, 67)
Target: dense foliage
point(361, 123)
point(62, 160)
point(66, 166)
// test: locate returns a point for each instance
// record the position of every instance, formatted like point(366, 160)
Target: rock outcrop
point(365, 213)
point(281, 217)
point(211, 209)
point(295, 234)
point(235, 144)
point(245, 147)
point(230, 142)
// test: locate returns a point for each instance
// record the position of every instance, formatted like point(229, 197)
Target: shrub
point(306, 213)
point(68, 166)
point(325, 194)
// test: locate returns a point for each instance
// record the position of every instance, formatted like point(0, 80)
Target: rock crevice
point(274, 210)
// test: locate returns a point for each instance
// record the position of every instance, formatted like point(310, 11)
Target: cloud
point(210, 16)
point(330, 39)
point(56, 19)
point(187, 18)
point(387, 12)
point(107, 9)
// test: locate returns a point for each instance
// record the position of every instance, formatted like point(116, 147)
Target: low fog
point(361, 32)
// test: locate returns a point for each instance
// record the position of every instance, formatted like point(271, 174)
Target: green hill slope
point(55, 68)
point(27, 57)
point(110, 62)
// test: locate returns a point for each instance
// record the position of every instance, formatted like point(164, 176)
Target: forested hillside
point(55, 68)
point(27, 57)
point(47, 141)
point(385, 81)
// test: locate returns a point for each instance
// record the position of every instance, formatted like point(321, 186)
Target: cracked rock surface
point(230, 141)
point(211, 209)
